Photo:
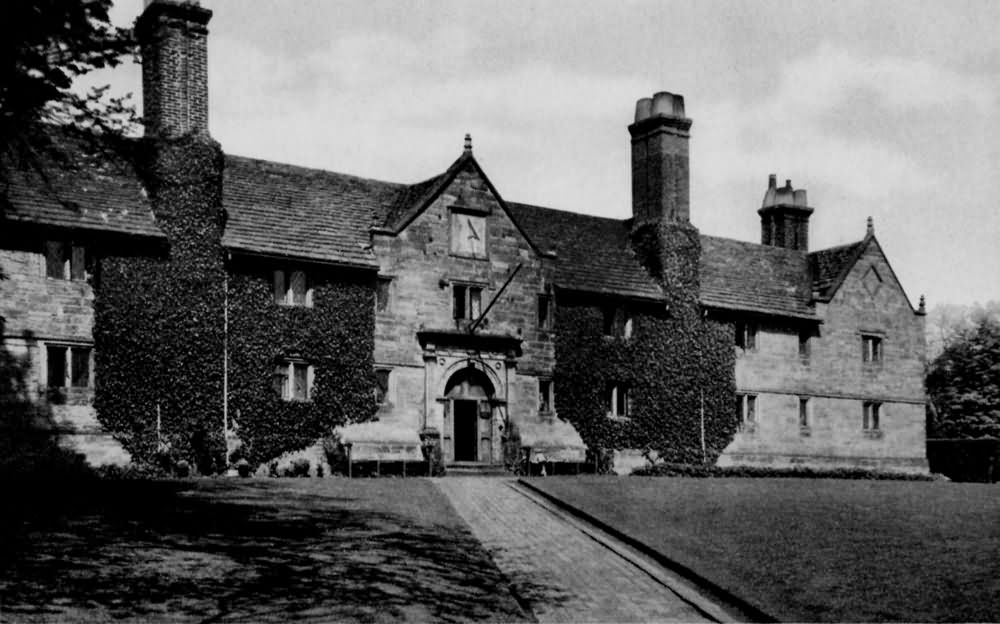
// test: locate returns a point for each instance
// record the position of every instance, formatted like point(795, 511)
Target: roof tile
point(95, 188)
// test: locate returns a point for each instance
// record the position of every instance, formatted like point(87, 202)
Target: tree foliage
point(964, 383)
point(45, 45)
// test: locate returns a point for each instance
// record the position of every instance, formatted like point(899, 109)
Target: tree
point(964, 383)
point(945, 321)
point(44, 46)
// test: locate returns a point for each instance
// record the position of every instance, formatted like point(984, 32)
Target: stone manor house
point(476, 302)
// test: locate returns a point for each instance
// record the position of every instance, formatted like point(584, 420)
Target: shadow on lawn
point(215, 552)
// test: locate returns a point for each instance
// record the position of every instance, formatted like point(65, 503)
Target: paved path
point(561, 573)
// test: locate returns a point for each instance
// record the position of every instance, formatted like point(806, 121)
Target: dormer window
point(292, 288)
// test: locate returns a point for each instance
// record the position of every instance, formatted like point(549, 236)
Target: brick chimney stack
point(784, 216)
point(660, 172)
point(173, 37)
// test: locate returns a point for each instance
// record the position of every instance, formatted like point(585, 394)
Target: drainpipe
point(225, 357)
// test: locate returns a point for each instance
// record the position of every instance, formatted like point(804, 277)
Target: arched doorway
point(469, 410)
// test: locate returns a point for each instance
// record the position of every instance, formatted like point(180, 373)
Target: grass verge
point(816, 549)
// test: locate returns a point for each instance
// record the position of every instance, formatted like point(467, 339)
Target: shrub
point(298, 468)
point(336, 454)
point(243, 468)
point(182, 469)
point(760, 472)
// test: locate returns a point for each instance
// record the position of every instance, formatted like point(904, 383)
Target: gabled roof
point(284, 210)
point(830, 267)
point(81, 183)
point(414, 199)
point(744, 276)
point(592, 253)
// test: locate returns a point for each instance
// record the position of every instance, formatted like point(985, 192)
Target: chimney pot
point(772, 181)
point(664, 103)
point(799, 197)
point(643, 109)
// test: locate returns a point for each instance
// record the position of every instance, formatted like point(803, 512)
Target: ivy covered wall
point(335, 336)
point(158, 317)
point(161, 332)
point(675, 364)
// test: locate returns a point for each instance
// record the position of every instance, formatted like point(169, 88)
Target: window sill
point(873, 434)
point(805, 432)
point(469, 256)
point(617, 418)
point(748, 428)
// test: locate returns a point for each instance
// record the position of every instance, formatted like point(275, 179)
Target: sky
point(883, 109)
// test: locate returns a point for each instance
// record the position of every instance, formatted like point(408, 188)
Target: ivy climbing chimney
point(173, 37)
point(784, 216)
point(660, 173)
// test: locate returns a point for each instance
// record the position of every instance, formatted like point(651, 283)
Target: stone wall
point(838, 382)
point(422, 268)
point(39, 311)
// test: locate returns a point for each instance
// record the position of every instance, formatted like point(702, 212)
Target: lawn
point(244, 550)
point(817, 549)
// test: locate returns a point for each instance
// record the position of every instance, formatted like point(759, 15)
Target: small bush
point(182, 469)
point(131, 471)
point(760, 472)
point(336, 455)
point(298, 468)
point(243, 468)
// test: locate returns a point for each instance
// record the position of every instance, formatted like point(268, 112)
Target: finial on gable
point(922, 308)
point(871, 227)
point(468, 142)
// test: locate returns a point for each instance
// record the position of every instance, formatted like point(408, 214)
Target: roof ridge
point(839, 247)
point(563, 211)
point(317, 170)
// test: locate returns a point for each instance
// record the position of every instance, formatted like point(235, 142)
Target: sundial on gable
point(872, 281)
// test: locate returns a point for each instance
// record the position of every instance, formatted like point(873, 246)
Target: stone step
point(470, 469)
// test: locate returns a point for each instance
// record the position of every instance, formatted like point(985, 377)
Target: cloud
point(415, 97)
point(832, 120)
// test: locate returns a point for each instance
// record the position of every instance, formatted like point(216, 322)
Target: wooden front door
point(466, 416)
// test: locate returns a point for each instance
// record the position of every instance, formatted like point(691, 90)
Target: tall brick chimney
point(173, 35)
point(784, 216)
point(660, 173)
